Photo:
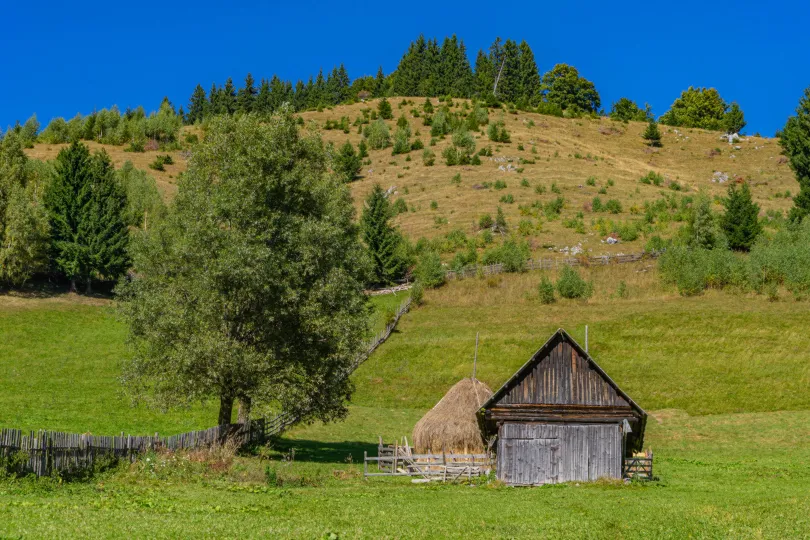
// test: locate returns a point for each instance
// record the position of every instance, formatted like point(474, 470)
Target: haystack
point(451, 425)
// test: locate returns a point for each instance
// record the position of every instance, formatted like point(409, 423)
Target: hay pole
point(475, 357)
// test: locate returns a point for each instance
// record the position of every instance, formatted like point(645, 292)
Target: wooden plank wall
point(563, 378)
point(532, 454)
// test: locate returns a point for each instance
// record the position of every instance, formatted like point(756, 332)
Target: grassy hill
point(565, 152)
point(722, 375)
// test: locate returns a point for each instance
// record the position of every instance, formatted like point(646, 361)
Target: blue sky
point(60, 58)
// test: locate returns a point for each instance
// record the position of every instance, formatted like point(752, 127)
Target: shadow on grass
point(324, 452)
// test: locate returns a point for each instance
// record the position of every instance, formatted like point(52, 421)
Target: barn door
point(528, 461)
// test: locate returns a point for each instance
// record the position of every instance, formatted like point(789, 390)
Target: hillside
point(566, 153)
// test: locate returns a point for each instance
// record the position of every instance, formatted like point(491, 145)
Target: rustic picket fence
point(45, 452)
point(550, 263)
point(278, 424)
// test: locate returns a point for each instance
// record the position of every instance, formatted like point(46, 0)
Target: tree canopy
point(563, 86)
point(251, 289)
point(795, 142)
point(697, 108)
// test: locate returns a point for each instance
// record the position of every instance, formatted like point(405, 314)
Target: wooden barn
point(560, 418)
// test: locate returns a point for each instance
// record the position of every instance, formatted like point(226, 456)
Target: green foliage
point(652, 134)
point(702, 231)
point(385, 243)
point(347, 163)
point(377, 135)
point(512, 254)
point(692, 270)
point(399, 207)
point(86, 209)
point(740, 222)
point(428, 157)
point(145, 206)
point(613, 206)
point(23, 223)
point(384, 109)
point(402, 141)
point(429, 271)
point(734, 120)
point(795, 142)
point(554, 207)
point(571, 285)
point(565, 88)
point(252, 288)
point(485, 222)
point(626, 110)
point(497, 133)
point(697, 108)
point(362, 150)
point(545, 290)
point(160, 161)
point(653, 178)
point(450, 155)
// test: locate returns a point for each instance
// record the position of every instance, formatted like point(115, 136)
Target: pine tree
point(264, 105)
point(246, 98)
point(734, 120)
point(86, 208)
point(197, 106)
point(215, 100)
point(528, 74)
point(379, 84)
point(347, 163)
point(384, 242)
point(106, 231)
point(484, 78)
point(228, 96)
point(411, 69)
point(384, 109)
point(318, 94)
point(343, 84)
point(741, 219)
point(652, 134)
point(509, 84)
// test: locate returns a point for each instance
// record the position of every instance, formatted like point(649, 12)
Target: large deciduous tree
point(697, 108)
point(251, 289)
point(564, 86)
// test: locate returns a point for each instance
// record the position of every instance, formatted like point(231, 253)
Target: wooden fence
point(399, 460)
point(549, 263)
point(46, 452)
point(638, 467)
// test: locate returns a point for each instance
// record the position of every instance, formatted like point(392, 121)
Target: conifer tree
point(652, 134)
point(379, 84)
point(528, 74)
point(734, 120)
point(343, 84)
point(197, 106)
point(86, 208)
point(384, 242)
point(411, 69)
point(741, 219)
point(484, 77)
point(795, 142)
point(347, 163)
point(263, 103)
point(228, 96)
point(384, 109)
point(215, 100)
point(509, 84)
point(246, 98)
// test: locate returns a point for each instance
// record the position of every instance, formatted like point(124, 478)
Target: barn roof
point(543, 352)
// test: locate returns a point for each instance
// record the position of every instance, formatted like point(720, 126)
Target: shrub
point(417, 293)
point(497, 133)
point(652, 177)
point(512, 254)
point(402, 142)
point(554, 207)
point(524, 182)
point(428, 157)
point(692, 270)
point(546, 291)
point(417, 144)
point(613, 206)
point(399, 206)
point(571, 285)
point(508, 198)
point(378, 135)
point(591, 181)
point(429, 270)
point(485, 222)
point(450, 155)
point(384, 108)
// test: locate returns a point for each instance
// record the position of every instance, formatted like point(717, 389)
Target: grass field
point(565, 152)
point(724, 377)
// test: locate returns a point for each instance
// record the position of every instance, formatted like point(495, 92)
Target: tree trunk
point(243, 416)
point(73, 284)
point(225, 409)
point(88, 290)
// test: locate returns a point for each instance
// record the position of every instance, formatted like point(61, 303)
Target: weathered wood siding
point(533, 453)
point(563, 378)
